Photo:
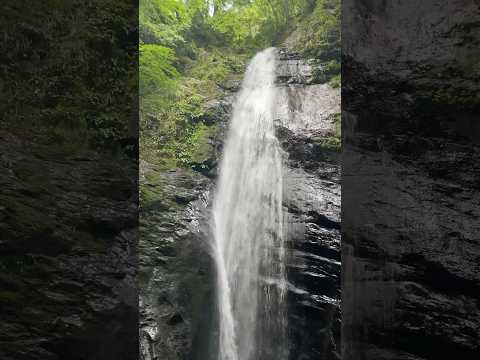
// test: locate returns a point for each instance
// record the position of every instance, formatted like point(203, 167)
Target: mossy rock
point(333, 139)
point(25, 219)
point(180, 132)
point(149, 194)
point(336, 81)
point(203, 148)
point(9, 297)
point(153, 195)
point(456, 96)
point(328, 142)
point(326, 72)
point(35, 177)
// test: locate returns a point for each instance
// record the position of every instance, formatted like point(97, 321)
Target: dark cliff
point(410, 250)
point(68, 183)
point(68, 249)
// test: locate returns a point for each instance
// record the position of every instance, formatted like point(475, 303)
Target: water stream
point(248, 225)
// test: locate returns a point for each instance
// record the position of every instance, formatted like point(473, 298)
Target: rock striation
point(68, 253)
point(410, 252)
point(306, 114)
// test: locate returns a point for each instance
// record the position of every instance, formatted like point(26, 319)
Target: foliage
point(250, 25)
point(319, 37)
point(336, 81)
point(321, 31)
point(192, 49)
point(162, 21)
point(333, 139)
point(70, 71)
point(216, 65)
point(327, 71)
point(176, 132)
point(156, 68)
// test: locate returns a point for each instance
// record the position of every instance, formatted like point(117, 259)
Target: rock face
point(411, 173)
point(177, 275)
point(68, 248)
point(306, 112)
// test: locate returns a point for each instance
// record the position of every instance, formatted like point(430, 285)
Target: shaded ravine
point(177, 273)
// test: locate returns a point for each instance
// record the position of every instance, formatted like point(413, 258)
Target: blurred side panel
point(68, 184)
point(411, 179)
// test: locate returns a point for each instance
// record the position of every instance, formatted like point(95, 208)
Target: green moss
point(328, 71)
point(25, 218)
point(319, 32)
point(152, 190)
point(337, 121)
point(177, 132)
point(71, 83)
point(154, 194)
point(333, 139)
point(318, 37)
point(202, 148)
point(149, 194)
point(7, 297)
point(154, 177)
point(211, 56)
point(216, 65)
point(454, 96)
point(336, 81)
point(329, 142)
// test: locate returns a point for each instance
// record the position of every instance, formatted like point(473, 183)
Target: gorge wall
point(68, 246)
point(177, 275)
point(410, 280)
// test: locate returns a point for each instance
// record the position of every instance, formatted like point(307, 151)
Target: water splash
point(248, 225)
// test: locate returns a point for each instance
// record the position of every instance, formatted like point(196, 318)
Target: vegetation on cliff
point(318, 36)
point(193, 51)
point(69, 72)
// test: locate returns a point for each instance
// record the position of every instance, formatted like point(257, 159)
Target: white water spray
point(248, 225)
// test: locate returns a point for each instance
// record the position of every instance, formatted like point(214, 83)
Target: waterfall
point(248, 225)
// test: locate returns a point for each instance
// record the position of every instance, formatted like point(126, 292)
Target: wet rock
point(207, 153)
point(216, 111)
point(293, 69)
point(68, 268)
point(175, 320)
point(232, 83)
point(312, 201)
point(410, 229)
point(176, 272)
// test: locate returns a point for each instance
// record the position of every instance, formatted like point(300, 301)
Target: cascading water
point(248, 225)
